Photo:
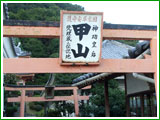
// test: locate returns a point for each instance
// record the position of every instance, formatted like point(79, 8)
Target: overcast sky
point(122, 12)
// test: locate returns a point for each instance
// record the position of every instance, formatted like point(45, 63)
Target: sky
point(125, 12)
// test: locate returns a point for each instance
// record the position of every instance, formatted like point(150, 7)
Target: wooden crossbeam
point(42, 88)
point(14, 99)
point(52, 32)
point(51, 65)
point(38, 99)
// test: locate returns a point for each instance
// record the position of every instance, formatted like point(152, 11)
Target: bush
point(35, 107)
point(54, 113)
point(39, 103)
point(10, 111)
point(31, 104)
point(38, 107)
point(40, 114)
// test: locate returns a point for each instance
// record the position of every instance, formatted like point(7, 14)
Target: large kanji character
point(79, 54)
point(81, 29)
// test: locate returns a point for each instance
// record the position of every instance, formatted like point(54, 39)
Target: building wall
point(135, 85)
point(121, 84)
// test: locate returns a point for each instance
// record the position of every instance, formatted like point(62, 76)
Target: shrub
point(54, 113)
point(10, 111)
point(35, 107)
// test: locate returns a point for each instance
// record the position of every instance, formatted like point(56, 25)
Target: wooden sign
point(81, 37)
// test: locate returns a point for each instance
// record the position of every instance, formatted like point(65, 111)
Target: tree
point(97, 102)
point(10, 108)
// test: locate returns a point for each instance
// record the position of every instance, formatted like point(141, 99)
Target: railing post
point(142, 105)
point(127, 106)
point(107, 108)
point(153, 46)
point(22, 103)
point(76, 101)
point(127, 98)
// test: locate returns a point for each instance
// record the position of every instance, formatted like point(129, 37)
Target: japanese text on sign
point(81, 37)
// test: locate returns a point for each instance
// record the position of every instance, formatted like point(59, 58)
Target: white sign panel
point(81, 37)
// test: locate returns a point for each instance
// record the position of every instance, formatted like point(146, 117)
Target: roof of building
point(19, 51)
point(31, 86)
point(57, 24)
point(112, 49)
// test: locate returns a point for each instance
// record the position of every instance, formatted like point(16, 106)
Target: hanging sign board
point(81, 37)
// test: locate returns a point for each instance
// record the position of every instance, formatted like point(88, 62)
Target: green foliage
point(40, 113)
point(10, 79)
point(67, 107)
point(36, 47)
point(97, 107)
point(16, 41)
point(86, 110)
point(63, 107)
point(117, 102)
point(65, 78)
point(11, 110)
point(36, 106)
point(39, 79)
point(40, 11)
point(54, 113)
